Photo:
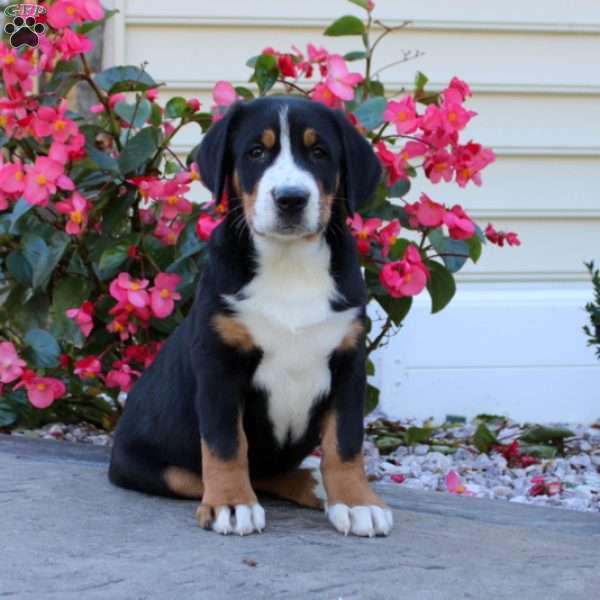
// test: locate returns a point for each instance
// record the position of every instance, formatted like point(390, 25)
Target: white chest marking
point(286, 308)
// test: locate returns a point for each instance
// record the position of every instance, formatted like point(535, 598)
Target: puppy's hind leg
point(302, 486)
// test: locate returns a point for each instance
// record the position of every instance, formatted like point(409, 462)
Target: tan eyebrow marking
point(268, 138)
point(309, 137)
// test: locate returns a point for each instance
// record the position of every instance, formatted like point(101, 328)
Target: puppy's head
point(288, 160)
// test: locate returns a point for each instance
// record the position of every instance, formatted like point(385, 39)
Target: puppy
point(270, 361)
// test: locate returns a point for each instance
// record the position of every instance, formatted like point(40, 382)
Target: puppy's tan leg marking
point(354, 335)
point(352, 506)
point(300, 486)
point(226, 486)
point(233, 332)
point(184, 483)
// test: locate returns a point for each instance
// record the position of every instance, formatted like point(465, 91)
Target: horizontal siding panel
point(547, 15)
point(542, 59)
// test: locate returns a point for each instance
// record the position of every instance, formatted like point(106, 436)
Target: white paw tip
point(222, 523)
point(258, 517)
point(364, 521)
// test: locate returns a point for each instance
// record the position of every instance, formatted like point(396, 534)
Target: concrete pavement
point(66, 534)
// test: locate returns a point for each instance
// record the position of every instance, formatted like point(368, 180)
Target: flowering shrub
point(101, 248)
point(593, 309)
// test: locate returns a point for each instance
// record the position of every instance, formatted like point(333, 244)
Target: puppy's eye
point(256, 152)
point(318, 152)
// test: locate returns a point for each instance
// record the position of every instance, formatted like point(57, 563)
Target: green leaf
point(19, 268)
point(456, 419)
point(91, 25)
point(8, 414)
point(42, 348)
point(484, 439)
point(388, 443)
point(244, 92)
point(124, 79)
point(111, 259)
point(417, 435)
point(371, 399)
point(266, 73)
point(400, 188)
point(454, 253)
point(421, 80)
point(399, 248)
point(356, 55)
point(441, 286)
point(102, 160)
point(370, 112)
point(21, 207)
point(140, 148)
point(69, 292)
point(176, 107)
point(135, 114)
point(346, 25)
point(37, 254)
point(396, 308)
point(475, 247)
point(370, 367)
point(362, 3)
point(550, 435)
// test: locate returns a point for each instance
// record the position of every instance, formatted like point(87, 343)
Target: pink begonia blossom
point(41, 391)
point(406, 277)
point(340, 82)
point(425, 213)
point(460, 226)
point(121, 376)
point(364, 231)
point(402, 114)
point(54, 122)
point(64, 13)
point(125, 289)
point(500, 237)
point(42, 180)
point(76, 208)
point(88, 368)
point(168, 232)
point(454, 485)
point(388, 236)
point(15, 68)
point(70, 44)
point(470, 159)
point(393, 163)
point(439, 165)
point(163, 294)
point(12, 177)
point(205, 225)
point(11, 366)
point(224, 94)
point(152, 94)
point(194, 104)
point(321, 93)
point(113, 100)
point(83, 317)
point(457, 91)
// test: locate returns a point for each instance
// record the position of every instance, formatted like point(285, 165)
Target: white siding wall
point(511, 341)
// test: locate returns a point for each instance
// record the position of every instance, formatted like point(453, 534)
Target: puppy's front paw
point(243, 519)
point(366, 521)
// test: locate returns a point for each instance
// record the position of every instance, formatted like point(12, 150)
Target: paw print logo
point(24, 30)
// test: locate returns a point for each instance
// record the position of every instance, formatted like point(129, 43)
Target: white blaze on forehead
point(284, 172)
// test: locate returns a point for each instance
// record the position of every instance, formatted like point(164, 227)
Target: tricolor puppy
point(270, 362)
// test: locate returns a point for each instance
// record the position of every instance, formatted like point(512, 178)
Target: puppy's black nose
point(291, 199)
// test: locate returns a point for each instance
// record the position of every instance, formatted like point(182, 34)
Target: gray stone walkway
point(66, 534)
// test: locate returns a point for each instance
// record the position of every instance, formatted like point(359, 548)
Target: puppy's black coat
point(198, 385)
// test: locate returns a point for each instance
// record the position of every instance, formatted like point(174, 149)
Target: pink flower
point(168, 232)
point(321, 93)
point(224, 94)
point(388, 236)
point(470, 160)
point(194, 104)
point(12, 178)
point(152, 94)
point(364, 231)
point(121, 376)
point(425, 213)
point(403, 114)
point(163, 294)
point(454, 485)
point(541, 487)
point(42, 179)
point(11, 366)
point(54, 122)
point(41, 391)
point(286, 65)
point(398, 478)
point(65, 12)
point(500, 237)
point(340, 81)
point(113, 100)
point(394, 164)
point(83, 317)
point(15, 70)
point(460, 226)
point(438, 166)
point(88, 368)
point(457, 91)
point(129, 290)
point(76, 208)
point(71, 44)
point(205, 225)
point(406, 277)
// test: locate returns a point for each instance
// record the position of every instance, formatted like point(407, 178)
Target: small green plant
point(593, 309)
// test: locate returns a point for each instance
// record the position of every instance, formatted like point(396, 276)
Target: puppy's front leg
point(352, 506)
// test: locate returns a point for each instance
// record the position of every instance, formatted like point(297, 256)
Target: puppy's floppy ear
point(213, 155)
point(361, 169)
